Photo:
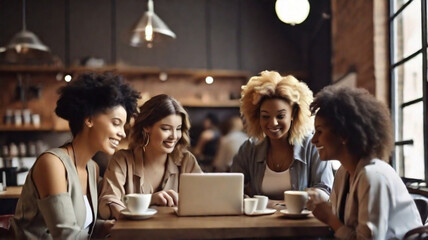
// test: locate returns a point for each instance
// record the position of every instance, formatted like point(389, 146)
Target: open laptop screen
point(210, 194)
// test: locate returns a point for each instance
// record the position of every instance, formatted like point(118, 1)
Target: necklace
point(74, 157)
point(277, 166)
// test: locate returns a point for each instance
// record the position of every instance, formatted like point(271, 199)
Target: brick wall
point(360, 44)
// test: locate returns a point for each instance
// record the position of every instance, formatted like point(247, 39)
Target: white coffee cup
point(137, 202)
point(250, 205)
point(295, 201)
point(262, 202)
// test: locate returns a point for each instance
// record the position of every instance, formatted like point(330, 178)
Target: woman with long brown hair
point(157, 155)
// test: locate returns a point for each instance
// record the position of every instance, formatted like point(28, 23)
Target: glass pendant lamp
point(149, 29)
point(25, 40)
point(25, 47)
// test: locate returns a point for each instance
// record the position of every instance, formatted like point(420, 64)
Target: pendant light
point(25, 47)
point(25, 40)
point(149, 29)
point(292, 11)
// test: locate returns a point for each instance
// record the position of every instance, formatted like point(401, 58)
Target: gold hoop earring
point(88, 124)
point(147, 136)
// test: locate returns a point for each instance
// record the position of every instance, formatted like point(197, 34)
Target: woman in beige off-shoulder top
point(157, 155)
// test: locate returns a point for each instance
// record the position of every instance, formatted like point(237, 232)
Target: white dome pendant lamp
point(292, 11)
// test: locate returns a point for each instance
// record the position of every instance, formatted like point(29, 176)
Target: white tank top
point(275, 183)
point(89, 217)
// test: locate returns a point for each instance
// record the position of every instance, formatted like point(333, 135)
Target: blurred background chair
point(233, 136)
point(422, 205)
point(6, 231)
point(207, 143)
point(417, 234)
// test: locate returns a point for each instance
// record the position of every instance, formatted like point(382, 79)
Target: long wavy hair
point(271, 85)
point(152, 111)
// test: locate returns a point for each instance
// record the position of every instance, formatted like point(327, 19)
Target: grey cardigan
point(60, 216)
point(306, 170)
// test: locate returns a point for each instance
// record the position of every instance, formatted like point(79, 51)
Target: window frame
point(396, 113)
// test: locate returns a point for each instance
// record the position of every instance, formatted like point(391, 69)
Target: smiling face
point(165, 134)
point(275, 118)
point(107, 129)
point(328, 143)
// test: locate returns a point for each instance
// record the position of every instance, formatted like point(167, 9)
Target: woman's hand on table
point(165, 198)
point(276, 204)
point(108, 224)
point(316, 196)
point(324, 213)
point(103, 228)
point(115, 210)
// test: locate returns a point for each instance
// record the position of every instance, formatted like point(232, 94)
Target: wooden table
point(11, 192)
point(167, 225)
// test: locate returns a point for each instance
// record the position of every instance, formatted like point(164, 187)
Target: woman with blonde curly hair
point(279, 155)
point(157, 156)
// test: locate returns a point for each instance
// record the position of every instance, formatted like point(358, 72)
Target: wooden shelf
point(30, 69)
point(231, 103)
point(127, 70)
point(186, 85)
point(7, 128)
point(23, 128)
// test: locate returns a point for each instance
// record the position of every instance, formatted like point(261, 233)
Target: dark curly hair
point(356, 115)
point(93, 93)
point(155, 109)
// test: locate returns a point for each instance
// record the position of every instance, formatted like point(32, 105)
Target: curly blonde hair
point(271, 85)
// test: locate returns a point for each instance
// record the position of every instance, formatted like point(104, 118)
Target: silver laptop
point(202, 194)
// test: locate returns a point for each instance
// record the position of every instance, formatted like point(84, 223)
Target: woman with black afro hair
point(59, 197)
point(369, 200)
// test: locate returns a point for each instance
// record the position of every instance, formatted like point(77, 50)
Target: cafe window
point(408, 73)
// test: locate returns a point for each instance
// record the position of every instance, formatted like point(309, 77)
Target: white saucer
point(263, 212)
point(138, 216)
point(303, 214)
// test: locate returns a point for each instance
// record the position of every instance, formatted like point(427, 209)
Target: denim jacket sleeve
point(241, 163)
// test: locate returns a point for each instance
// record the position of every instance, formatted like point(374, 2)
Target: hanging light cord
point(150, 6)
point(24, 24)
